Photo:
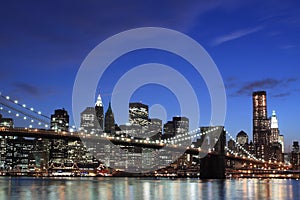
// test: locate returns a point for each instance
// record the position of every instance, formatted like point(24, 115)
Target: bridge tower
point(212, 166)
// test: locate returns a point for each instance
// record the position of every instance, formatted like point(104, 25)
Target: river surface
point(146, 188)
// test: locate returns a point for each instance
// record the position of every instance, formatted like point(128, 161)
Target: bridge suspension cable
point(13, 106)
point(240, 147)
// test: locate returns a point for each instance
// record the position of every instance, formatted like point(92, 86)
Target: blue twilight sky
point(255, 44)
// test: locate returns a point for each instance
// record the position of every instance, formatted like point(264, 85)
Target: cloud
point(27, 88)
point(284, 94)
point(31, 90)
point(251, 86)
point(268, 83)
point(235, 35)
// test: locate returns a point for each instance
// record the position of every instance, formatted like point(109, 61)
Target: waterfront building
point(60, 120)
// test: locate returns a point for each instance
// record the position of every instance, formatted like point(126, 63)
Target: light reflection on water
point(146, 188)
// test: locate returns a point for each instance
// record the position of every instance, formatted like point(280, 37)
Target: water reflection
point(148, 189)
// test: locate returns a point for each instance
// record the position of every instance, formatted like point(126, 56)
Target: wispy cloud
point(284, 94)
point(272, 84)
point(235, 35)
point(29, 89)
point(268, 83)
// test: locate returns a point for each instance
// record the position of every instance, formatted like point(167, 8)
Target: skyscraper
point(178, 126)
point(138, 114)
point(109, 121)
point(89, 121)
point(181, 125)
point(99, 112)
point(60, 120)
point(261, 123)
point(274, 128)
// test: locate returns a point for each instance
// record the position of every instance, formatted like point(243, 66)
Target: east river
point(146, 188)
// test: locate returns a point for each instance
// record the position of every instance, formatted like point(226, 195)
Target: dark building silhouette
point(231, 145)
point(60, 120)
point(242, 138)
point(295, 156)
point(99, 112)
point(109, 121)
point(6, 122)
point(168, 130)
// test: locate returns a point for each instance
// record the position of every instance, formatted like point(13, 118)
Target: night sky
point(255, 45)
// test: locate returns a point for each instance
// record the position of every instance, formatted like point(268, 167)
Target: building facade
point(138, 114)
point(88, 121)
point(60, 120)
point(99, 112)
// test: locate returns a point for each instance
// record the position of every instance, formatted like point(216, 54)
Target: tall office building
point(181, 125)
point(99, 112)
point(261, 124)
point(155, 128)
point(89, 121)
point(178, 126)
point(168, 130)
point(109, 121)
point(260, 118)
point(138, 114)
point(274, 128)
point(60, 120)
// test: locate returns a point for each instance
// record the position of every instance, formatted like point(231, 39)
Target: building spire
point(99, 101)
point(274, 120)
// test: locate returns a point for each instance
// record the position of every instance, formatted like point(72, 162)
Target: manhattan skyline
point(254, 45)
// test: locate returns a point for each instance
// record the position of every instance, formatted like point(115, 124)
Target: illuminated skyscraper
point(99, 111)
point(178, 126)
point(261, 123)
point(138, 114)
point(274, 128)
point(60, 120)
